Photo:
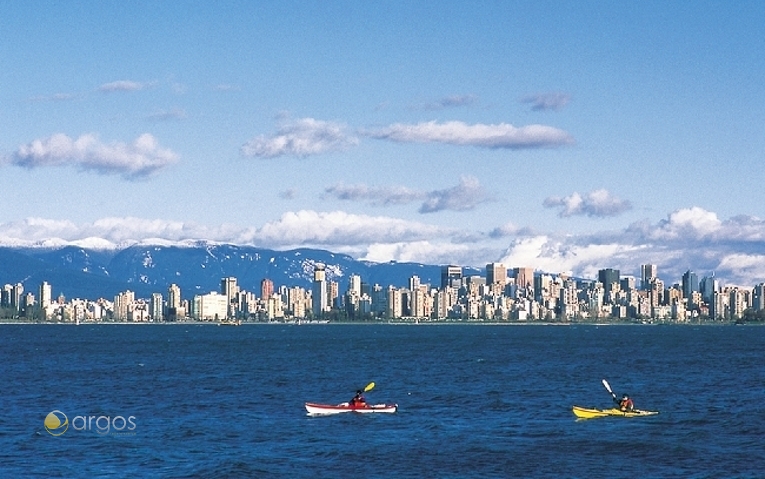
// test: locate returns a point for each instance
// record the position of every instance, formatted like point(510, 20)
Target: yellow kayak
point(587, 413)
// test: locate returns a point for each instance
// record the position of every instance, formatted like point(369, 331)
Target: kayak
point(586, 413)
point(318, 409)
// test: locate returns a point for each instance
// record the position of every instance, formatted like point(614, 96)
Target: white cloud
point(308, 227)
point(733, 256)
point(301, 138)
point(502, 135)
point(140, 158)
point(598, 203)
point(122, 85)
point(688, 222)
point(547, 101)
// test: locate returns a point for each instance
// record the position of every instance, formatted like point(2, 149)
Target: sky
point(563, 136)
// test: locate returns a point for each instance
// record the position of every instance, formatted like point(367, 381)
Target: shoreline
point(384, 323)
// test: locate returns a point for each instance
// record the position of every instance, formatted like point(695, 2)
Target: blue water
point(475, 401)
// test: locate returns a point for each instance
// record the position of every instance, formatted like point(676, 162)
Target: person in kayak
point(358, 400)
point(626, 404)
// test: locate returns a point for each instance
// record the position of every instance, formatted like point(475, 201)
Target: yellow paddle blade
point(369, 387)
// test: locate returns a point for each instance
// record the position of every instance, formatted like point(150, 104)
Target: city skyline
point(500, 294)
point(566, 138)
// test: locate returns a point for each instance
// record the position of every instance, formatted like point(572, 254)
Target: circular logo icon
point(56, 423)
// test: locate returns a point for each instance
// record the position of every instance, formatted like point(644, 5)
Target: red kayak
point(320, 409)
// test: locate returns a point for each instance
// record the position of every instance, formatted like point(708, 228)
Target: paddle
point(371, 386)
point(608, 388)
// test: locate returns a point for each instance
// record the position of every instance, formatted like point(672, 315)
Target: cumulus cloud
point(597, 203)
point(547, 101)
point(122, 85)
point(462, 197)
point(302, 138)
point(733, 249)
point(448, 102)
point(502, 135)
point(138, 159)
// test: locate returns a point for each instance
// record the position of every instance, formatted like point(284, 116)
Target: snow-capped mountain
point(91, 273)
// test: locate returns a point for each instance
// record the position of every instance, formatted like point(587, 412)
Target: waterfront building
point(758, 297)
point(157, 307)
point(266, 288)
point(394, 303)
point(209, 307)
point(174, 306)
point(230, 289)
point(319, 296)
point(46, 294)
point(123, 303)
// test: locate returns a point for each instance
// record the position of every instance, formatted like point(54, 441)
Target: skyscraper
point(608, 277)
point(157, 307)
point(690, 283)
point(319, 295)
point(266, 288)
point(451, 276)
point(524, 277)
point(45, 294)
point(648, 272)
point(496, 273)
point(173, 302)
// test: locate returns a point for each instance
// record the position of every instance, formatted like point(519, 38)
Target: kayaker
point(626, 404)
point(358, 399)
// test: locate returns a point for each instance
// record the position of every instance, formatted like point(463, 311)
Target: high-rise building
point(46, 295)
point(451, 276)
point(266, 288)
point(609, 277)
point(690, 283)
point(174, 304)
point(524, 277)
point(319, 294)
point(496, 273)
point(230, 289)
point(354, 285)
point(157, 307)
point(708, 286)
point(648, 272)
point(758, 297)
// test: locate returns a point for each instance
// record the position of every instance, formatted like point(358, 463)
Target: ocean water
point(474, 401)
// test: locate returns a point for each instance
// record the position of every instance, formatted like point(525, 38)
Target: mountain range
point(91, 273)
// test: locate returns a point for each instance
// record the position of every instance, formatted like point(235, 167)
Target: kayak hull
point(589, 413)
point(315, 409)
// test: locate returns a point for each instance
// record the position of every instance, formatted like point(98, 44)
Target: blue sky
point(565, 136)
